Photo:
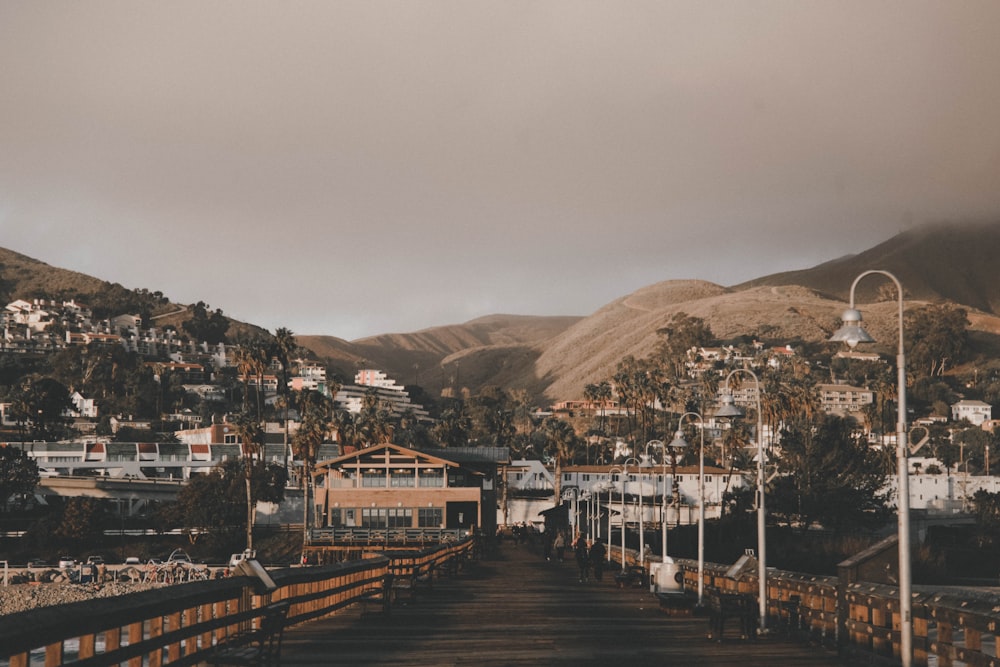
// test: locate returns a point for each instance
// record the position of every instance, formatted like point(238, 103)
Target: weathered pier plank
point(514, 608)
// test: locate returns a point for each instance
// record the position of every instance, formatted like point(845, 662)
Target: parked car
point(95, 560)
point(133, 560)
point(66, 562)
point(37, 563)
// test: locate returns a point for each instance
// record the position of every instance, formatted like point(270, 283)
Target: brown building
point(388, 486)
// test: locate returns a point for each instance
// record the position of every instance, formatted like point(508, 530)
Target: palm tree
point(284, 346)
point(315, 411)
point(603, 394)
point(251, 357)
point(243, 361)
point(344, 424)
point(251, 438)
point(562, 443)
point(452, 429)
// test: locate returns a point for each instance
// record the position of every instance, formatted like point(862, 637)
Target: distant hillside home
point(207, 392)
point(310, 376)
point(976, 412)
point(844, 399)
point(123, 323)
point(83, 407)
point(872, 357)
point(389, 394)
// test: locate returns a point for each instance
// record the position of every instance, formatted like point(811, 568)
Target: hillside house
point(976, 412)
point(844, 399)
point(82, 407)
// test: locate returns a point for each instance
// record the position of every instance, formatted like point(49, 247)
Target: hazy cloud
point(358, 168)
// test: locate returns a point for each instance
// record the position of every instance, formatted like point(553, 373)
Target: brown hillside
point(22, 277)
point(937, 263)
point(492, 346)
point(553, 358)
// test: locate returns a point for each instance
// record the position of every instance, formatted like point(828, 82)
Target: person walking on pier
point(583, 558)
point(560, 545)
point(597, 554)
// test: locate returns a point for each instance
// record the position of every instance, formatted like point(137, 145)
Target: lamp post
point(625, 523)
point(677, 443)
point(728, 408)
point(852, 333)
point(663, 496)
point(611, 486)
point(641, 507)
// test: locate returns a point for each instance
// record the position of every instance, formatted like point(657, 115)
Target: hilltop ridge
point(553, 358)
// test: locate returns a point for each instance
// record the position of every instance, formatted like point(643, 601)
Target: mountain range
point(553, 358)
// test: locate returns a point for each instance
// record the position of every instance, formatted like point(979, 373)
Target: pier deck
point(514, 608)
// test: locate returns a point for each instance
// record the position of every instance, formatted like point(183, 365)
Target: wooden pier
point(514, 608)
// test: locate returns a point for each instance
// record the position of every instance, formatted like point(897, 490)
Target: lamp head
point(851, 332)
point(728, 407)
point(678, 442)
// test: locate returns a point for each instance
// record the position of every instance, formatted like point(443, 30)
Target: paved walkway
point(515, 609)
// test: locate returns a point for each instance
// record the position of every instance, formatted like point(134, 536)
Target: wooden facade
point(389, 487)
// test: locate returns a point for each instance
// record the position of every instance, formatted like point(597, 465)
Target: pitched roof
point(387, 450)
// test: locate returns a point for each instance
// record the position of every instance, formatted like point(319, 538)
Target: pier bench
point(421, 578)
point(724, 606)
point(261, 646)
point(633, 575)
point(378, 598)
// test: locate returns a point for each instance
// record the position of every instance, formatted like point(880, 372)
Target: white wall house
point(976, 412)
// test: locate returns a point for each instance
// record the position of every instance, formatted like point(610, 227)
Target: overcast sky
point(356, 168)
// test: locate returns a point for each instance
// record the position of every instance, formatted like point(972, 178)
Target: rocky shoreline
point(24, 597)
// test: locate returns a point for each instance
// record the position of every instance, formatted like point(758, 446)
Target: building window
point(373, 517)
point(429, 517)
point(373, 478)
point(400, 517)
point(230, 439)
point(432, 478)
point(403, 478)
point(335, 519)
point(586, 478)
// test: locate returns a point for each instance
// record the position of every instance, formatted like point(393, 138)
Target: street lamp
point(574, 513)
point(676, 444)
point(663, 495)
point(625, 523)
point(852, 333)
point(728, 408)
point(611, 486)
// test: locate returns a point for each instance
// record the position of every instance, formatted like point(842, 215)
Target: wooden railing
point(861, 620)
point(180, 624)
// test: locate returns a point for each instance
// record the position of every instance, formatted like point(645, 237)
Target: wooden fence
point(861, 620)
point(180, 624)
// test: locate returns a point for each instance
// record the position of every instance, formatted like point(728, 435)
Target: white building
point(604, 484)
point(976, 412)
point(844, 399)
